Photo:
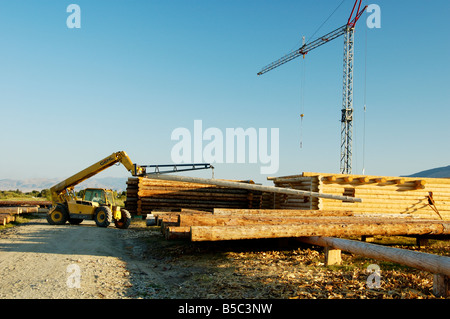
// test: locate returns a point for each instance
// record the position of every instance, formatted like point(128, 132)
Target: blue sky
point(137, 70)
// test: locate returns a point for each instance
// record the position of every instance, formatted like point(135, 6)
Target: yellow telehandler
point(99, 204)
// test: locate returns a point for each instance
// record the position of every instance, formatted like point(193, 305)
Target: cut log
point(363, 179)
point(217, 233)
point(241, 220)
point(10, 210)
point(6, 218)
point(29, 209)
point(175, 232)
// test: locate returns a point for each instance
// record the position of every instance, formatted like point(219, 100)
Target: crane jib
point(304, 49)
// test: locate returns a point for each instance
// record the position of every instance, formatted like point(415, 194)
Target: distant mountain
point(38, 184)
point(119, 183)
point(26, 185)
point(439, 172)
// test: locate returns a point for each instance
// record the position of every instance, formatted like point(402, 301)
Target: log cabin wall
point(281, 201)
point(394, 196)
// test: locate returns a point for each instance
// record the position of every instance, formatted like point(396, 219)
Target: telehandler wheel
point(103, 216)
point(124, 221)
point(58, 216)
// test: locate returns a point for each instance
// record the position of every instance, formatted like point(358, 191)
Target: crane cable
point(365, 105)
point(302, 98)
point(302, 89)
point(326, 19)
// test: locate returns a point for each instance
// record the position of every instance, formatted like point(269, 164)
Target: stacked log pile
point(237, 224)
point(145, 195)
point(8, 214)
point(427, 198)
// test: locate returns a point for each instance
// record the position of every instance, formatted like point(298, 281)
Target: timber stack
point(9, 214)
point(389, 206)
point(146, 195)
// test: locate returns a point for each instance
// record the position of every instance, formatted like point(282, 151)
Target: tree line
point(45, 194)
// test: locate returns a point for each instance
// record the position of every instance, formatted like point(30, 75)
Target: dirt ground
point(40, 261)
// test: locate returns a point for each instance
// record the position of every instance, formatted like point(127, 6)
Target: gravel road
point(38, 260)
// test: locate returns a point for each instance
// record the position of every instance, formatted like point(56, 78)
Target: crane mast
point(347, 104)
point(347, 97)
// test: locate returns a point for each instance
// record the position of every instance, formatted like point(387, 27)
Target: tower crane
point(347, 95)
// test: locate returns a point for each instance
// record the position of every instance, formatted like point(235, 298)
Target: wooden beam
point(194, 211)
point(217, 233)
point(441, 285)
point(29, 209)
point(241, 220)
point(280, 212)
point(290, 179)
point(332, 256)
point(428, 179)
